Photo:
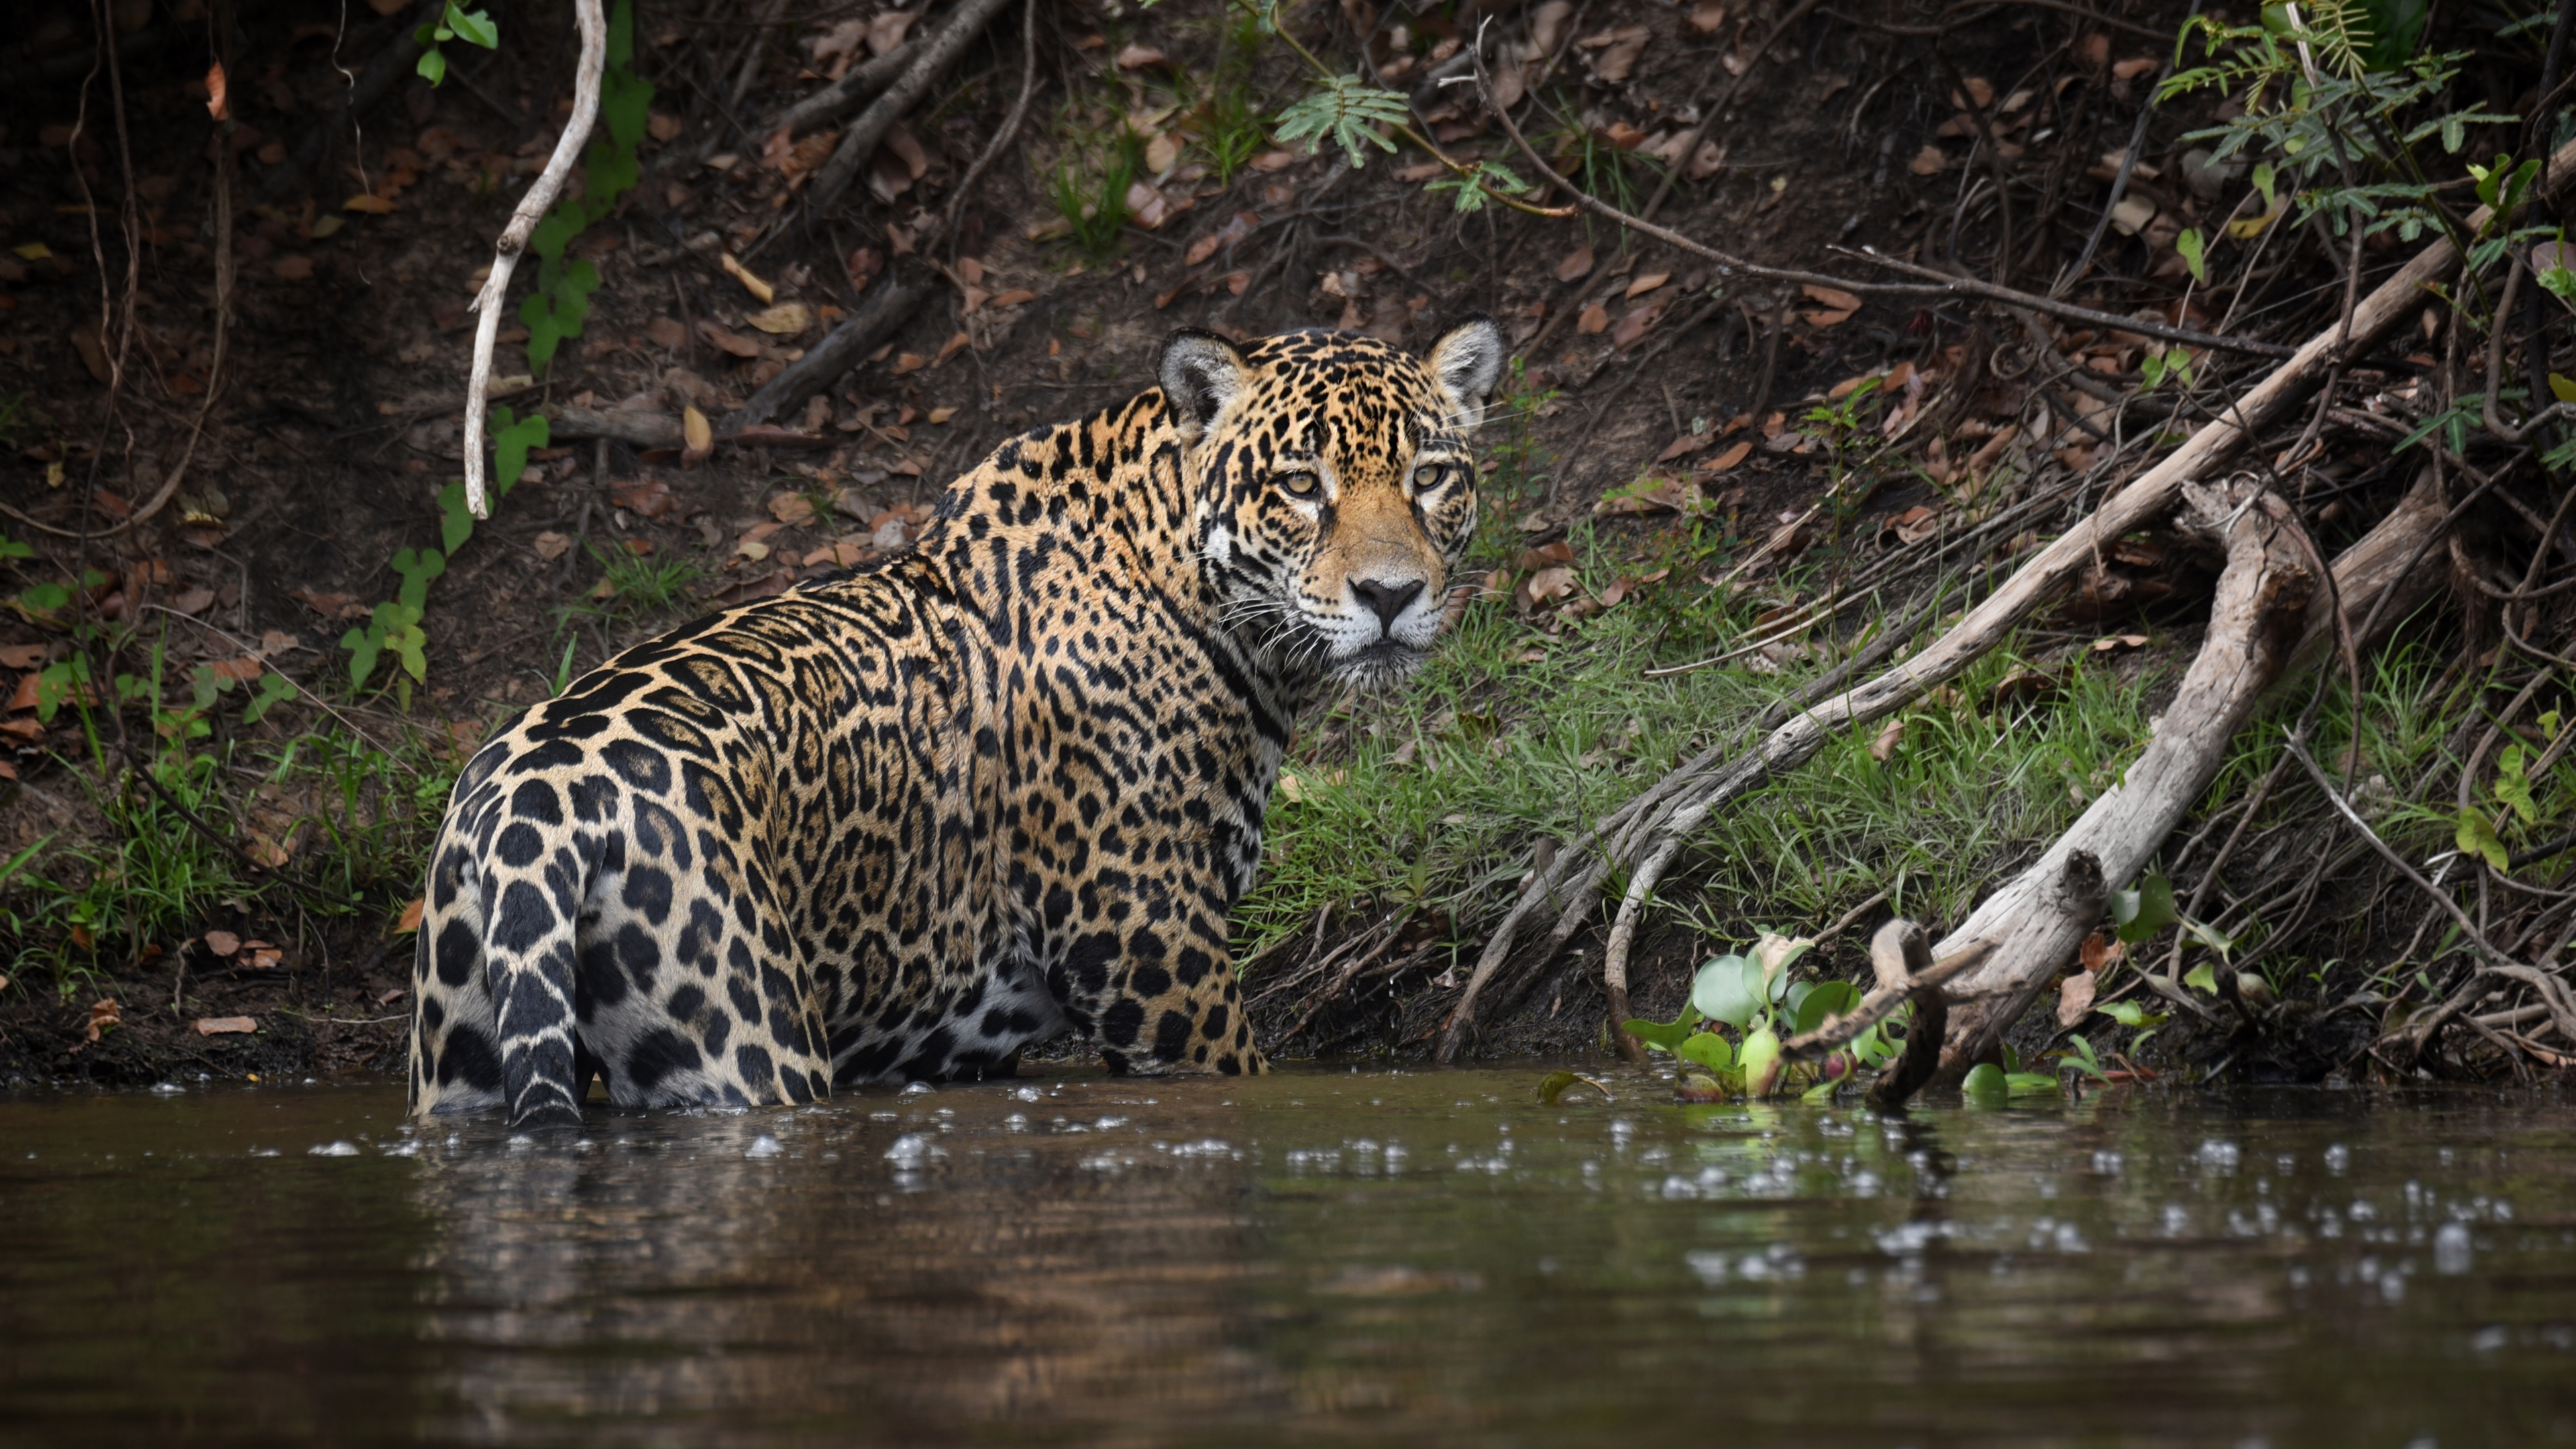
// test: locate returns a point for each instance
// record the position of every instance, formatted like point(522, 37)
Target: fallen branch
point(514, 240)
point(1902, 959)
point(884, 312)
point(2263, 600)
point(1644, 837)
point(860, 141)
point(847, 94)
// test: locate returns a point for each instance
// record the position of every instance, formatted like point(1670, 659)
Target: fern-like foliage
point(1348, 110)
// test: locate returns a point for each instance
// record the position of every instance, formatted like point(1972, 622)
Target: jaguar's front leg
point(1169, 1002)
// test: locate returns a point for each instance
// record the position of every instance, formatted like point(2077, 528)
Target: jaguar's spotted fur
point(903, 822)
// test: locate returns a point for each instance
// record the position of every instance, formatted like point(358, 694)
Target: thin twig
point(514, 239)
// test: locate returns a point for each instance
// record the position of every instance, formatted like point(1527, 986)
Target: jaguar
point(1003, 786)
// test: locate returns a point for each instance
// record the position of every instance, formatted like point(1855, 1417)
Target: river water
point(1373, 1257)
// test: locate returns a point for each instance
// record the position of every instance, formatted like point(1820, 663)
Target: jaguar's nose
point(1386, 600)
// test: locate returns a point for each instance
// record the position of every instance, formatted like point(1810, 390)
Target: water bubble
point(908, 1150)
point(2219, 1157)
point(764, 1145)
point(342, 1148)
point(916, 1089)
point(2338, 1159)
point(2108, 1163)
point(1713, 1268)
point(2453, 1254)
point(1024, 1094)
point(2177, 1220)
point(2489, 1338)
point(1016, 1122)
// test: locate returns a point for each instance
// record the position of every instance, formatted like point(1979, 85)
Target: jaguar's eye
point(1302, 485)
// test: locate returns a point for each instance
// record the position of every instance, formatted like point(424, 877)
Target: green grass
point(143, 876)
point(1441, 789)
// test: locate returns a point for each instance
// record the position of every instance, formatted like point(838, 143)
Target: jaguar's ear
point(1467, 364)
point(1200, 372)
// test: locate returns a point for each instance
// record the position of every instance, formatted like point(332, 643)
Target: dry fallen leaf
point(1890, 735)
point(727, 341)
point(2075, 997)
point(222, 943)
point(750, 282)
point(644, 497)
point(226, 1025)
point(1595, 319)
point(215, 91)
point(698, 434)
point(368, 202)
point(194, 601)
point(941, 415)
point(294, 267)
point(102, 1015)
point(664, 127)
point(1708, 16)
point(329, 606)
point(21, 656)
point(1928, 161)
point(787, 319)
point(551, 545)
point(793, 509)
point(665, 332)
point(1647, 283)
point(1576, 266)
point(2119, 641)
point(1635, 324)
point(1729, 458)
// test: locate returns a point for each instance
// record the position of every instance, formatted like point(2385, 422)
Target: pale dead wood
point(532, 207)
point(2263, 601)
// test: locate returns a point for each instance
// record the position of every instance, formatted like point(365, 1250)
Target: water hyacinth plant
point(1756, 998)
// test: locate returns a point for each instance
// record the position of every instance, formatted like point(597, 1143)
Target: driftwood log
point(2035, 922)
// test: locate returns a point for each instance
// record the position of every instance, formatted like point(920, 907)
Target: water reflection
point(907, 1274)
point(1353, 1258)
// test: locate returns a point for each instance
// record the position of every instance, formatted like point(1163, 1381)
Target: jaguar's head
point(1334, 489)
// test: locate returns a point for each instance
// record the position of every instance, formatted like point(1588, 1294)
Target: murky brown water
point(1372, 1258)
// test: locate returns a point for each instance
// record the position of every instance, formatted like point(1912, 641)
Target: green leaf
point(433, 66)
point(1709, 1050)
point(621, 36)
point(417, 568)
point(2028, 1084)
point(2130, 1014)
point(1664, 1036)
point(363, 646)
point(1759, 1058)
point(474, 28)
point(273, 690)
point(512, 440)
point(2264, 182)
point(551, 236)
point(1729, 989)
point(2202, 978)
point(1828, 998)
point(2510, 785)
point(1556, 1084)
point(2477, 837)
point(1346, 110)
point(2188, 244)
point(2143, 912)
point(1985, 1086)
point(2083, 1059)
